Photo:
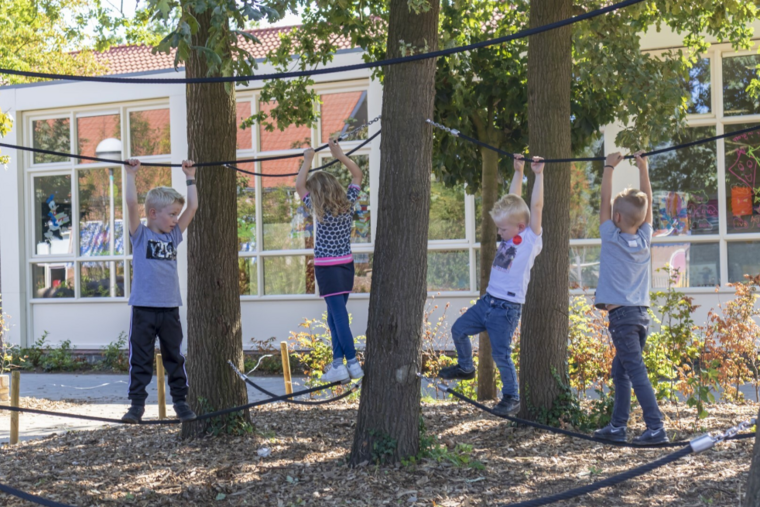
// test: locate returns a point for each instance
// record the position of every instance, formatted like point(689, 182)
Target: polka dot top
point(333, 242)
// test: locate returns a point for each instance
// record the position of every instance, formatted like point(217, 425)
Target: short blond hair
point(511, 206)
point(160, 197)
point(632, 205)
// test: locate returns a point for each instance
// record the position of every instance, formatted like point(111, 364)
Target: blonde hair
point(511, 206)
point(632, 205)
point(160, 197)
point(327, 195)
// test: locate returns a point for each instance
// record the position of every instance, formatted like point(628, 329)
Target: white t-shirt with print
point(510, 272)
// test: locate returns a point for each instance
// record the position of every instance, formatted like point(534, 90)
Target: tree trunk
point(213, 300)
point(543, 347)
point(752, 498)
point(388, 421)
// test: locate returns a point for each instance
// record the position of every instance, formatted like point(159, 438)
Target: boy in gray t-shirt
point(623, 290)
point(155, 297)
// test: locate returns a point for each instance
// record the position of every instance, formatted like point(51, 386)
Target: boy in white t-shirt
point(499, 310)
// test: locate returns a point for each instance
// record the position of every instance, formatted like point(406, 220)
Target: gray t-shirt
point(154, 263)
point(624, 272)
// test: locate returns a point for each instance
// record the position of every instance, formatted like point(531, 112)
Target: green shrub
point(115, 357)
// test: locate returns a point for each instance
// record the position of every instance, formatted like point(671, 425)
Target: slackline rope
point(330, 70)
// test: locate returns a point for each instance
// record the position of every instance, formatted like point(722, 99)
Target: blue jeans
point(628, 327)
point(337, 321)
point(499, 318)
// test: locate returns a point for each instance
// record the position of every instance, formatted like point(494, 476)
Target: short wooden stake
point(161, 386)
point(15, 384)
point(286, 367)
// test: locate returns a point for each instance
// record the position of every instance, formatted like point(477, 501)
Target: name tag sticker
point(632, 243)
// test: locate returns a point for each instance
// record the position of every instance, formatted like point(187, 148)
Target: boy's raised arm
point(517, 179)
point(188, 167)
point(130, 192)
point(644, 184)
point(303, 172)
point(537, 198)
point(605, 207)
point(337, 152)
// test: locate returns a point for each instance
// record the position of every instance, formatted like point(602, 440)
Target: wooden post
point(161, 386)
point(286, 367)
point(15, 384)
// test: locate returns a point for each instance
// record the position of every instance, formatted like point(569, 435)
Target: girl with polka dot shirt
point(332, 206)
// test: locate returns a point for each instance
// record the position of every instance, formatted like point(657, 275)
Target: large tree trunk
point(752, 498)
point(213, 300)
point(543, 347)
point(390, 402)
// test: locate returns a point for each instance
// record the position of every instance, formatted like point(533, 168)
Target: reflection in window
point(101, 222)
point(53, 280)
point(149, 133)
point(246, 209)
point(93, 130)
point(53, 135)
point(101, 279)
point(289, 275)
point(286, 222)
point(342, 112)
point(585, 184)
point(362, 230)
point(448, 270)
point(685, 186)
point(362, 273)
point(584, 266)
point(698, 87)
point(738, 73)
point(248, 278)
point(743, 259)
point(742, 182)
point(52, 215)
point(147, 178)
point(446, 211)
point(244, 136)
point(689, 264)
point(292, 137)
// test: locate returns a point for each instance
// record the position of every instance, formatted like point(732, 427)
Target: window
point(742, 183)
point(101, 221)
point(52, 215)
point(291, 137)
point(446, 212)
point(689, 264)
point(698, 86)
point(287, 224)
point(54, 135)
point(149, 133)
point(584, 266)
point(342, 112)
point(448, 270)
point(289, 275)
point(738, 73)
point(99, 136)
point(244, 136)
point(743, 259)
point(585, 196)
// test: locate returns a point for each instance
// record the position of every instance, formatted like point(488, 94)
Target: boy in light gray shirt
point(623, 290)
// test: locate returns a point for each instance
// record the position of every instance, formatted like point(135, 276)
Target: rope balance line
point(173, 421)
point(704, 140)
point(331, 70)
point(244, 377)
point(31, 498)
point(561, 431)
point(201, 164)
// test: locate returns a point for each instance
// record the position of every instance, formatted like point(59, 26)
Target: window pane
point(52, 215)
point(698, 264)
point(698, 86)
point(342, 112)
point(54, 280)
point(53, 135)
point(248, 278)
point(101, 279)
point(685, 186)
point(743, 259)
point(362, 272)
point(99, 209)
point(362, 230)
point(149, 133)
point(585, 184)
point(742, 183)
point(99, 136)
point(147, 178)
point(584, 266)
point(446, 212)
point(246, 209)
point(292, 137)
point(448, 270)
point(289, 275)
point(244, 136)
point(738, 73)
point(287, 224)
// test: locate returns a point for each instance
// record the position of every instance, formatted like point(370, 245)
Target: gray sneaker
point(456, 372)
point(134, 414)
point(184, 412)
point(507, 407)
point(652, 437)
point(612, 433)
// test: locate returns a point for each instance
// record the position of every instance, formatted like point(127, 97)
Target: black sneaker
point(652, 437)
point(184, 412)
point(612, 433)
point(134, 414)
point(507, 406)
point(456, 372)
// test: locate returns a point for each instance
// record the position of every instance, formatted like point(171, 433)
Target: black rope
point(349, 392)
point(594, 159)
point(610, 481)
point(574, 434)
point(31, 498)
point(330, 70)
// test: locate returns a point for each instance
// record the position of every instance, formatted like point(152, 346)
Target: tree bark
point(543, 347)
point(389, 410)
point(213, 300)
point(752, 498)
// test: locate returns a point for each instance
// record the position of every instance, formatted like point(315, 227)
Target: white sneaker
point(355, 370)
point(339, 374)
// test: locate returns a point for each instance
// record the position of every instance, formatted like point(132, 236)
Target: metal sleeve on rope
point(702, 443)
